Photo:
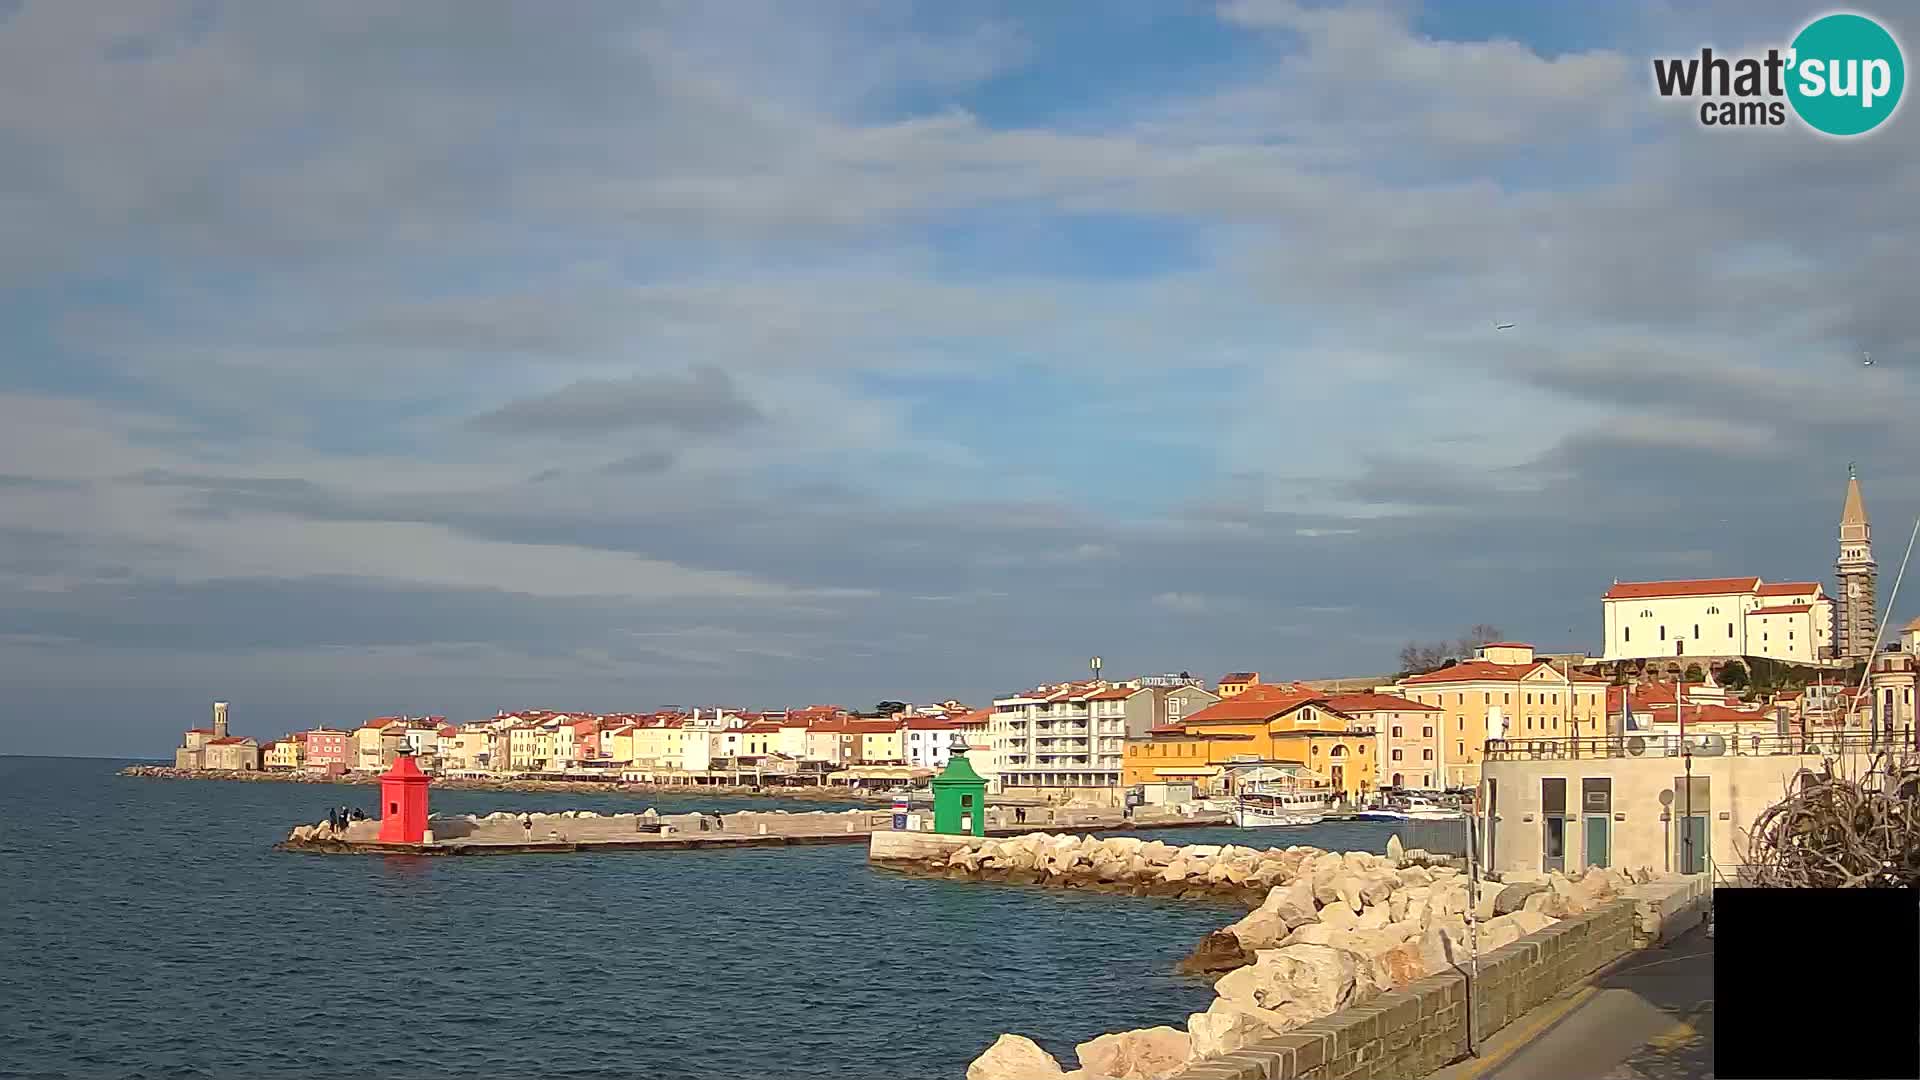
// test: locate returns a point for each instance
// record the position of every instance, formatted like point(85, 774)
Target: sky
point(450, 357)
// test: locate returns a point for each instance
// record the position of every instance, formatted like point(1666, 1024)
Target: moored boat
point(1262, 809)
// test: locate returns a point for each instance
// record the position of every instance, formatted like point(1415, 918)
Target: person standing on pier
point(333, 818)
point(526, 822)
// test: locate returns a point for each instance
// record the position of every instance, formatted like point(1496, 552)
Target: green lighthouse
point(959, 795)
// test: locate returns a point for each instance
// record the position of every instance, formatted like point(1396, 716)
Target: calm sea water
point(147, 929)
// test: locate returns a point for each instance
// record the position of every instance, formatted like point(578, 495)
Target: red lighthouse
point(403, 798)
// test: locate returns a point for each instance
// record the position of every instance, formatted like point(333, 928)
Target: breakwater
point(505, 832)
point(1326, 931)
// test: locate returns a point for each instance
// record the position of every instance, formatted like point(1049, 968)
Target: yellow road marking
point(1522, 1036)
point(1681, 1032)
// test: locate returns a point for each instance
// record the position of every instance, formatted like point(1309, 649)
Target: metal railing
point(1814, 743)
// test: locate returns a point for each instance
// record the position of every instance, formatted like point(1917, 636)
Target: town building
point(928, 741)
point(191, 753)
point(1265, 727)
point(1890, 686)
point(1854, 623)
point(1718, 617)
point(1503, 692)
point(232, 753)
point(1550, 804)
point(378, 742)
point(1235, 683)
point(1406, 738)
point(326, 751)
point(1069, 739)
point(283, 755)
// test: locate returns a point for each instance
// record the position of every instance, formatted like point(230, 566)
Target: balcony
point(1830, 743)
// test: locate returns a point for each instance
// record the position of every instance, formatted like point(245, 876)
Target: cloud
point(705, 402)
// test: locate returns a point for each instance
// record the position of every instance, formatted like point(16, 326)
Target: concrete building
point(283, 755)
point(1854, 623)
point(1235, 683)
point(1789, 621)
point(1070, 739)
point(191, 753)
point(326, 751)
point(1266, 727)
point(1890, 685)
point(1406, 737)
point(928, 741)
point(1553, 804)
point(1503, 692)
point(233, 753)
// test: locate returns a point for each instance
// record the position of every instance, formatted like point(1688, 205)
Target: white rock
point(1146, 1054)
point(1013, 1057)
point(1396, 851)
point(1299, 982)
point(1226, 1027)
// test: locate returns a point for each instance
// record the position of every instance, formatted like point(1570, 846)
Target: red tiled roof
point(1711, 714)
point(1371, 702)
point(1114, 693)
point(1788, 588)
point(1254, 706)
point(1488, 671)
point(930, 723)
point(1167, 729)
point(449, 730)
point(764, 727)
point(1782, 609)
point(871, 727)
point(1647, 590)
point(1240, 677)
point(975, 718)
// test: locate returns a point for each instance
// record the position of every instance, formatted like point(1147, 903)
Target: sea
point(149, 929)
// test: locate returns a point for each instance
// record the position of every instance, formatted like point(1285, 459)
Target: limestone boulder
point(1317, 933)
point(1514, 897)
point(1339, 916)
point(1443, 947)
point(1146, 1054)
point(1300, 982)
point(1396, 851)
point(1359, 861)
point(1014, 1057)
point(1377, 886)
point(1413, 876)
point(1373, 918)
point(1348, 888)
point(1222, 950)
point(1325, 889)
point(1227, 1026)
point(1506, 929)
point(1293, 902)
point(1260, 929)
point(1531, 921)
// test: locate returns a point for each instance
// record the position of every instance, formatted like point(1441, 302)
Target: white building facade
point(1787, 621)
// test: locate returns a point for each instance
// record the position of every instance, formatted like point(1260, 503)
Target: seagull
point(1498, 325)
point(1866, 359)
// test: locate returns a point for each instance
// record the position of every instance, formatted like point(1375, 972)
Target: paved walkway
point(1649, 1017)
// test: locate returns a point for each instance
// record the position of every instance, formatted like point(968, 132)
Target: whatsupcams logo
point(1842, 75)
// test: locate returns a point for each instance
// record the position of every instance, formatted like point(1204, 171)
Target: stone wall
point(1415, 1030)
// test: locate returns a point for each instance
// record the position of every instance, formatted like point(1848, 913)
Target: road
point(1649, 1017)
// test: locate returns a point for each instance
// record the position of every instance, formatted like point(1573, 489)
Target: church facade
point(1791, 621)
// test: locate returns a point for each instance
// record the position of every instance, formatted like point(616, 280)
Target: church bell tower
point(1853, 610)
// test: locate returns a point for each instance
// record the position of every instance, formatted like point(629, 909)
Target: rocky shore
point(596, 787)
point(1329, 930)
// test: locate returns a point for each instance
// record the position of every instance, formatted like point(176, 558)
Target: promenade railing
point(1832, 742)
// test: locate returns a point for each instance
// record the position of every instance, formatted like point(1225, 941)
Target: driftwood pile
point(1836, 831)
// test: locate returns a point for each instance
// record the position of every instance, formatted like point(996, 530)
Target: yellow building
point(661, 744)
point(1235, 683)
point(1261, 725)
point(285, 755)
point(880, 741)
point(618, 743)
point(1503, 693)
point(523, 747)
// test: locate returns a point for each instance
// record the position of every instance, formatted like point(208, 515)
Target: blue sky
point(446, 361)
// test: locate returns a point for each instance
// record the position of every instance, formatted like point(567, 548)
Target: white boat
point(1411, 810)
point(1260, 809)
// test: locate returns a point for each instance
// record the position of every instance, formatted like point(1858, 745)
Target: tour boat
point(1257, 810)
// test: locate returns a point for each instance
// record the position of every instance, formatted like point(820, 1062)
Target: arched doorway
point(1399, 780)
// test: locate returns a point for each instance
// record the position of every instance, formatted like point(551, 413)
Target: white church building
point(1716, 617)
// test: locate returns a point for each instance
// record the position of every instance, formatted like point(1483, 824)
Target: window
point(1646, 613)
point(1663, 633)
point(1729, 629)
point(1396, 755)
point(1696, 630)
point(1396, 731)
point(1626, 634)
point(1426, 755)
point(1460, 748)
point(1486, 699)
point(1459, 699)
point(1426, 732)
point(1529, 699)
point(1506, 699)
point(1713, 611)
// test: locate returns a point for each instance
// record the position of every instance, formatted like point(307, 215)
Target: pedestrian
point(333, 818)
point(526, 822)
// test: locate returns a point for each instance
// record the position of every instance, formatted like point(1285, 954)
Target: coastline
point(597, 787)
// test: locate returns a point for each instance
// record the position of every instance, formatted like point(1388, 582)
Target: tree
point(1733, 675)
point(1694, 674)
point(1420, 657)
point(888, 708)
